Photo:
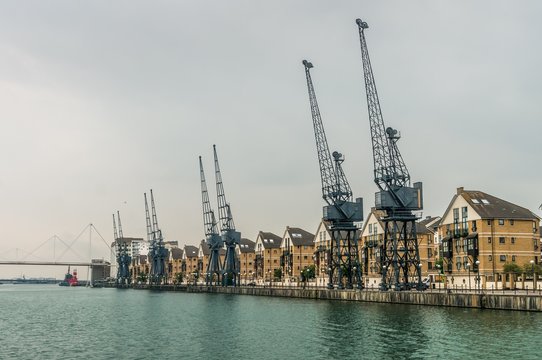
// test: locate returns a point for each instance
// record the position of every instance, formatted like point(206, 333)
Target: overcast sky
point(101, 101)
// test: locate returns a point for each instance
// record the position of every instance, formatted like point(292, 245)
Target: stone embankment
point(520, 301)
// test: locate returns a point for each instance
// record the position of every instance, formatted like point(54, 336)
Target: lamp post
point(468, 268)
point(420, 286)
point(532, 270)
point(440, 277)
point(478, 274)
point(383, 286)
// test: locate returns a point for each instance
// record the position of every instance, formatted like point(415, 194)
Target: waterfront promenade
point(519, 300)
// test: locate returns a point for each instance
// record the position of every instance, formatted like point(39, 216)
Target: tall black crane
point(341, 212)
point(212, 236)
point(158, 254)
point(230, 236)
point(123, 255)
point(398, 254)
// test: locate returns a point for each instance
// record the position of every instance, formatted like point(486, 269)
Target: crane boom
point(327, 172)
point(120, 225)
point(209, 220)
point(389, 168)
point(224, 210)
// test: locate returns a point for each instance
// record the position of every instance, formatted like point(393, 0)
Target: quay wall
point(485, 300)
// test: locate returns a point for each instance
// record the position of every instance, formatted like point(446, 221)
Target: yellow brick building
point(479, 234)
point(297, 248)
point(246, 257)
point(267, 256)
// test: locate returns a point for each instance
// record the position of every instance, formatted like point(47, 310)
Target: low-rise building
point(480, 234)
point(267, 258)
point(189, 265)
point(297, 247)
point(175, 271)
point(246, 256)
point(322, 246)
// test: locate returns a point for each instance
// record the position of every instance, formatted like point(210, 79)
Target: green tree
point(142, 278)
point(529, 269)
point(512, 268)
point(179, 278)
point(309, 272)
point(277, 274)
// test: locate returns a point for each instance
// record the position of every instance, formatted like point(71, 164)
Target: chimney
point(460, 190)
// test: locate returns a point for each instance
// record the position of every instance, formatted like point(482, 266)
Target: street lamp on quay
point(468, 268)
point(477, 269)
point(440, 277)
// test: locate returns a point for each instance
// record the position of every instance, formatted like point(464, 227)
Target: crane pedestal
point(399, 254)
point(343, 258)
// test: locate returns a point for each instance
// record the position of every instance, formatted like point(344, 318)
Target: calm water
point(51, 322)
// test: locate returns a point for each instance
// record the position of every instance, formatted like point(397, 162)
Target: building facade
point(267, 256)
point(297, 247)
point(481, 234)
point(246, 257)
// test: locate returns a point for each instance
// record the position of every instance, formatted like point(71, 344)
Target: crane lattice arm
point(148, 219)
point(224, 211)
point(209, 220)
point(390, 170)
point(121, 236)
point(115, 228)
point(156, 230)
point(335, 187)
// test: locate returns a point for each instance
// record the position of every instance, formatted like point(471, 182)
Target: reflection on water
point(67, 323)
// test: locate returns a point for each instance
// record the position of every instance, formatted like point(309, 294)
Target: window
point(502, 240)
point(502, 258)
point(489, 222)
point(370, 228)
point(512, 222)
point(513, 258)
point(490, 258)
point(489, 239)
point(305, 257)
point(501, 221)
point(513, 240)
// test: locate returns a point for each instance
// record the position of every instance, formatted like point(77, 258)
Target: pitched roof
point(204, 248)
point(270, 240)
point(191, 251)
point(491, 207)
point(379, 214)
point(300, 237)
point(176, 253)
point(247, 246)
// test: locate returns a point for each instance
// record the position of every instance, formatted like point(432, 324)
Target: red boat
point(70, 279)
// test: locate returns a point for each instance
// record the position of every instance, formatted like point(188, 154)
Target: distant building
point(246, 256)
point(268, 255)
point(175, 264)
point(101, 270)
point(297, 247)
point(480, 234)
point(322, 246)
point(190, 265)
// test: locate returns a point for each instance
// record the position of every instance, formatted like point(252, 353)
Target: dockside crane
point(398, 253)
point(123, 255)
point(230, 236)
point(341, 212)
point(212, 236)
point(158, 254)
